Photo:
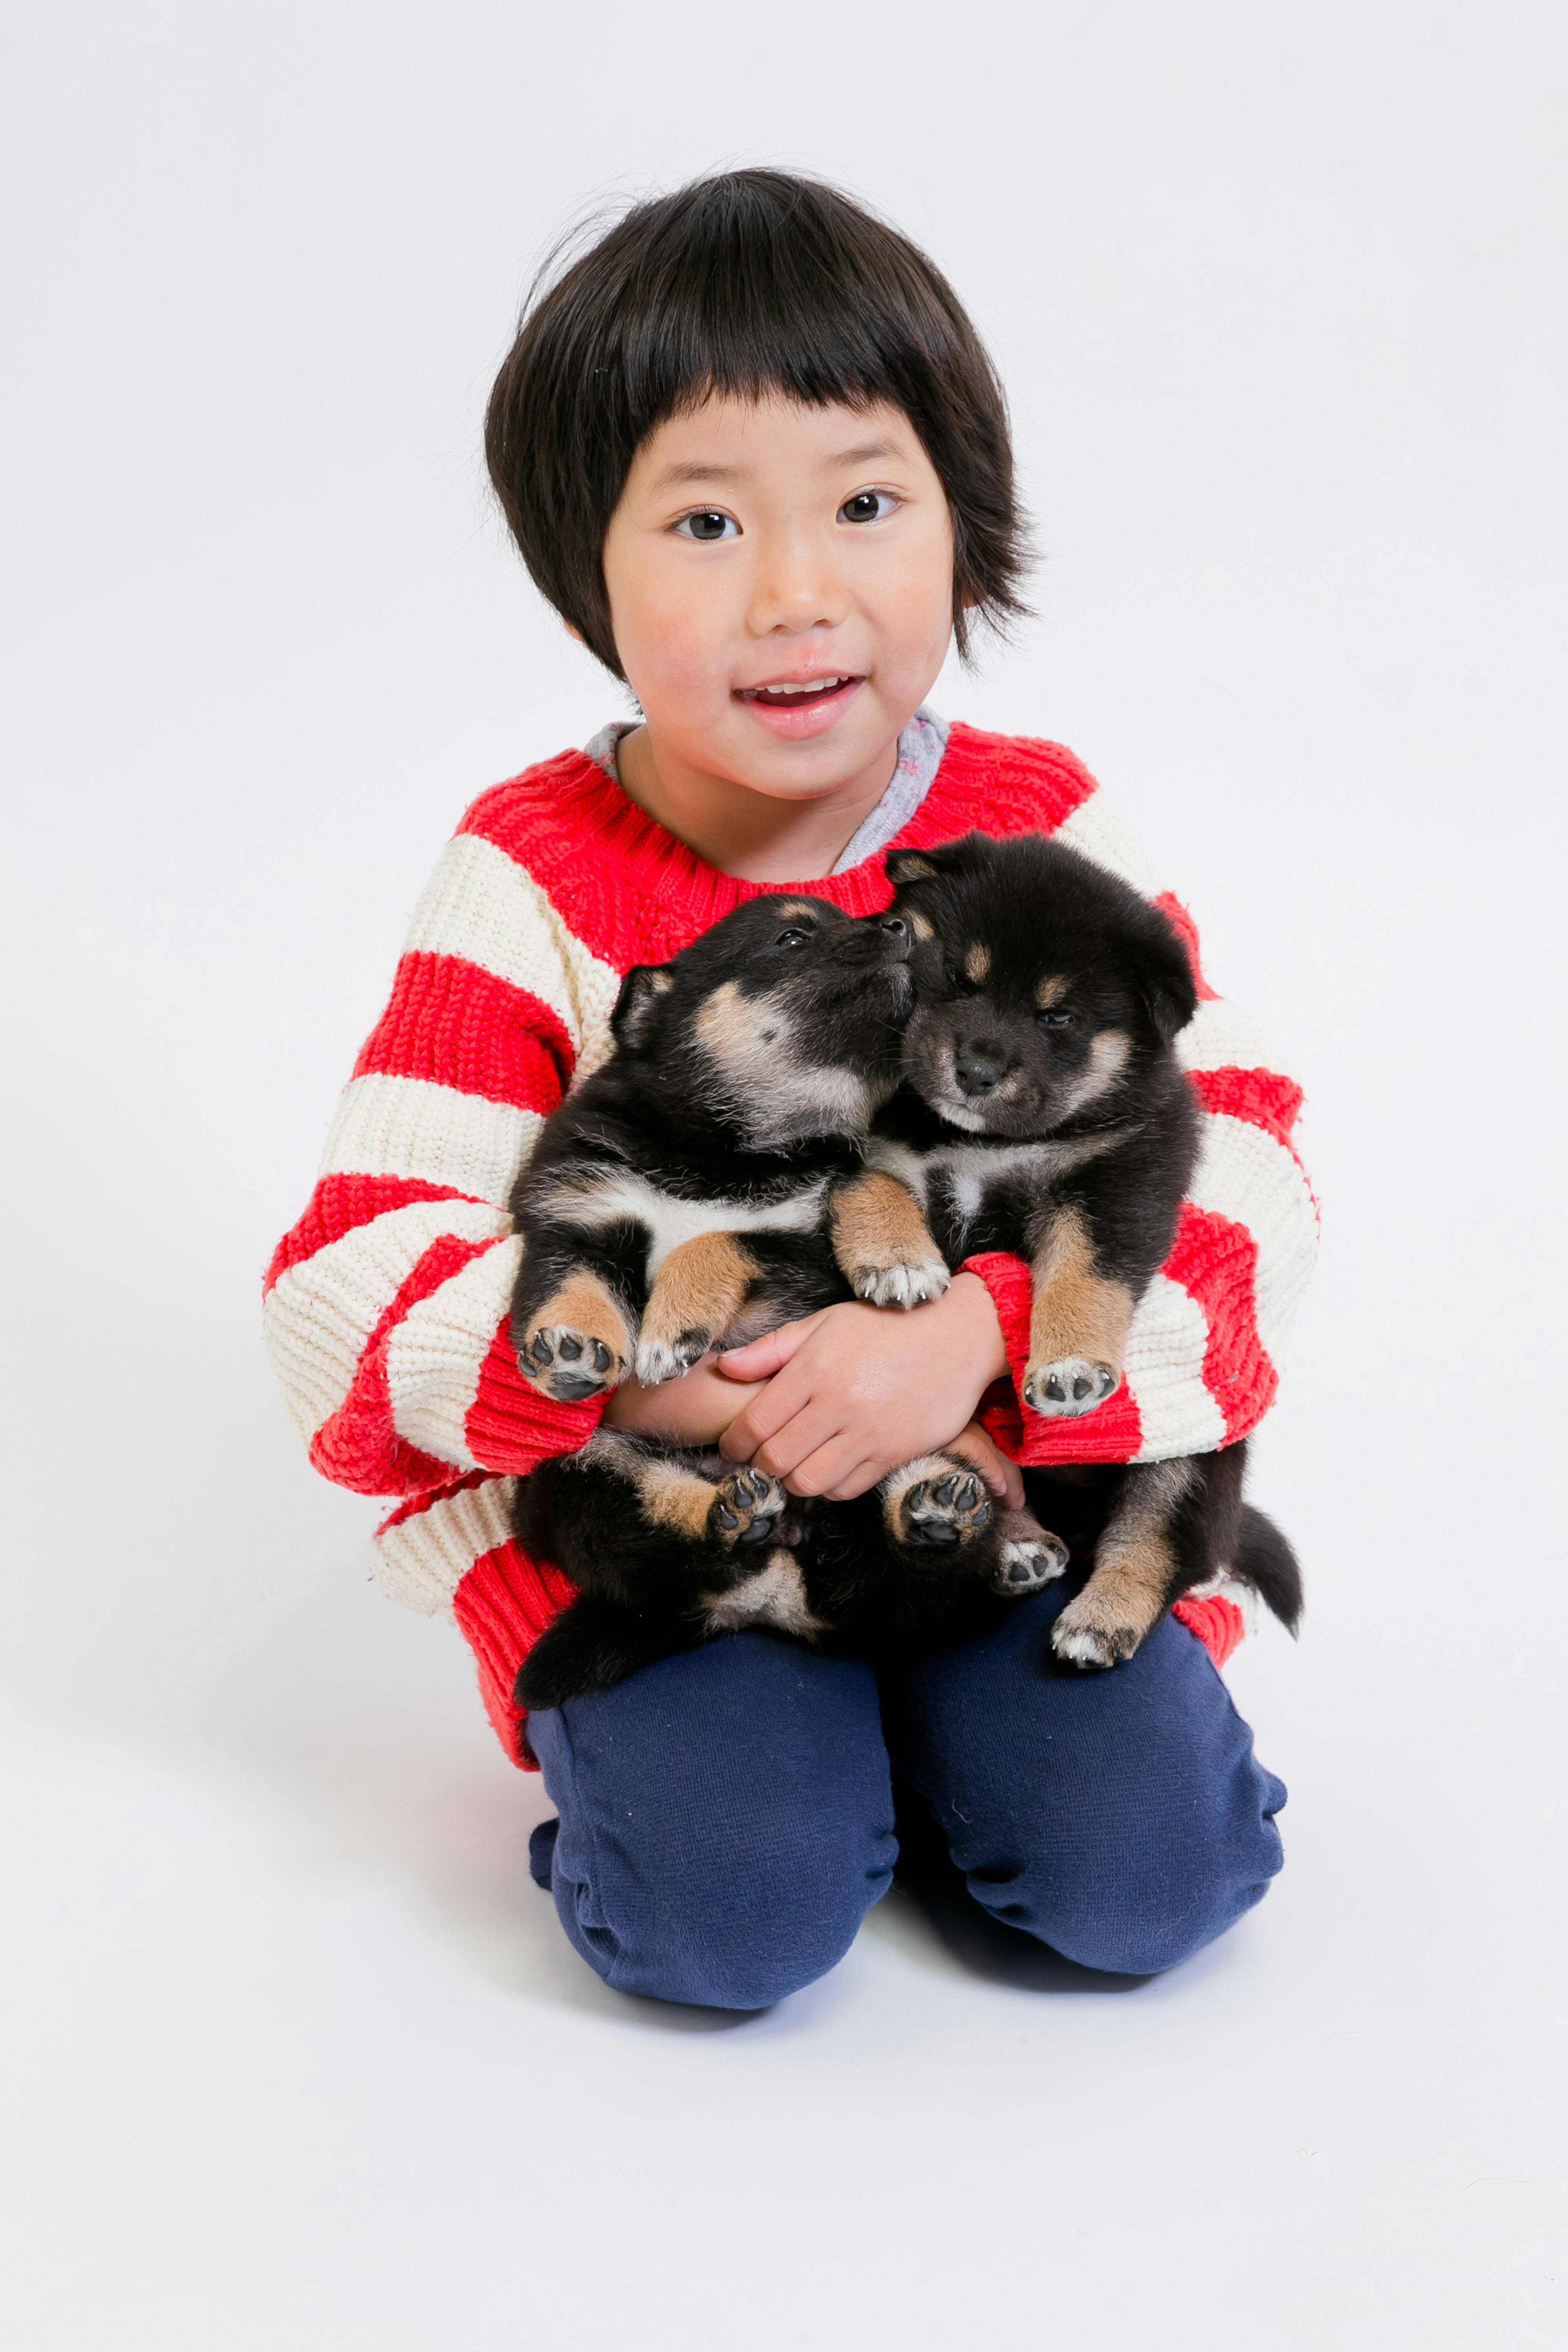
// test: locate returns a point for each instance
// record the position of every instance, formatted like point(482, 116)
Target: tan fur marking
point(1077, 1312)
point(774, 1088)
point(774, 1595)
point(1051, 992)
point(1122, 1601)
point(922, 925)
point(910, 866)
point(883, 1243)
point(801, 911)
point(976, 963)
point(739, 1030)
point(876, 1221)
point(701, 1287)
point(582, 1304)
point(1107, 1060)
point(674, 1498)
point(1135, 1563)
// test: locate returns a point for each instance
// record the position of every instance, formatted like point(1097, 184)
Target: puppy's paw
point(567, 1364)
point(1069, 1387)
point(1094, 1631)
point(949, 1507)
point(747, 1508)
point(665, 1360)
point(1027, 1562)
point(906, 1283)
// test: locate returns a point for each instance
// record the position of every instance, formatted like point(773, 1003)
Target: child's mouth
point(805, 705)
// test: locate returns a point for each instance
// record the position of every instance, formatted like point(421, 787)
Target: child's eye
point(867, 505)
point(709, 523)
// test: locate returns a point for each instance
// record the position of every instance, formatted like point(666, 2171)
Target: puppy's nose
point(896, 925)
point(978, 1067)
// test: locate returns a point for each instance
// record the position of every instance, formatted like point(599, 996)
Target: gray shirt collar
point(920, 749)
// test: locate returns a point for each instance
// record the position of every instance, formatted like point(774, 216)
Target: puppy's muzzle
point(979, 1066)
point(882, 939)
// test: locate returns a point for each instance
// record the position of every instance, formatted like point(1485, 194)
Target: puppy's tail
point(1265, 1561)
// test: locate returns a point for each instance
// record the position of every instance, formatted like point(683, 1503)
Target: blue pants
point(727, 1816)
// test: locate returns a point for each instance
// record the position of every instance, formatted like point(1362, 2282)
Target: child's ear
point(636, 1016)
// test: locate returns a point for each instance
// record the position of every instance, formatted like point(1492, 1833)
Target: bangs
point(739, 295)
point(757, 285)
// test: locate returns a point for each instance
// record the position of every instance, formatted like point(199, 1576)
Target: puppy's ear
point(907, 866)
point(960, 856)
point(636, 1016)
point(1165, 980)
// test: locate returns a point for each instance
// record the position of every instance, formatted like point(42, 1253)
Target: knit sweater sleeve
point(387, 1304)
point(1208, 1337)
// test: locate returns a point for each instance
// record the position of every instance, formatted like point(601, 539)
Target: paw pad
point(945, 1510)
point(567, 1364)
point(1072, 1386)
point(1028, 1562)
point(747, 1508)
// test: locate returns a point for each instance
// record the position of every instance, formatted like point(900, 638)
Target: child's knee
point(739, 1921)
point(1141, 1904)
point(726, 1821)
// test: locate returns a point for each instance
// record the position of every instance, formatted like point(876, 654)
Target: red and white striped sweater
point(386, 1304)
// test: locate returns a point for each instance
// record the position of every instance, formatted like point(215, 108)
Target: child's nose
point(797, 586)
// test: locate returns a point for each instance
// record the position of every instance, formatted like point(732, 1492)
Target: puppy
point(670, 1546)
point(1043, 1112)
point(705, 1185)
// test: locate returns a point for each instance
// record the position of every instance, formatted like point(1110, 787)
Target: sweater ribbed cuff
point(511, 1427)
point(1111, 1433)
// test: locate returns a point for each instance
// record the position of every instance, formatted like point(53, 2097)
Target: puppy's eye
point(1058, 1020)
point(791, 940)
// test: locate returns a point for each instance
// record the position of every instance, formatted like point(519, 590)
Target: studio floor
point(297, 2052)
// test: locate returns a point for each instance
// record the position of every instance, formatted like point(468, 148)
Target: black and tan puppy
point(691, 1191)
point(1044, 1113)
point(705, 1185)
point(672, 1547)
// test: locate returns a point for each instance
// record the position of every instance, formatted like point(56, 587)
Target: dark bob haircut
point(751, 283)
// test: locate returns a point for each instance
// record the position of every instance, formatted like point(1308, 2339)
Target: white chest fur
point(615, 1198)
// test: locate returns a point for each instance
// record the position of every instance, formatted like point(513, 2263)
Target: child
point(754, 455)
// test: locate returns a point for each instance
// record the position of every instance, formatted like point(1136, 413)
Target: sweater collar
point(923, 745)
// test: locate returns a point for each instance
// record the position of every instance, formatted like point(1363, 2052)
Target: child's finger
point(767, 1420)
point(800, 1434)
point(1002, 1477)
point(840, 1469)
point(760, 1358)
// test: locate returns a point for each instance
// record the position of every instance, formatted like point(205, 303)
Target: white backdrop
point(300, 2057)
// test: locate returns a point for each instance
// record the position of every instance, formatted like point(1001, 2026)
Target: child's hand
point(695, 1410)
point(853, 1391)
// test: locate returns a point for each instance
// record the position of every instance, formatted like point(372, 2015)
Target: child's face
point(761, 546)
